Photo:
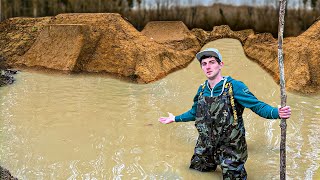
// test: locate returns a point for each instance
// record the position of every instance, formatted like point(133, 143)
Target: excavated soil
point(107, 43)
point(104, 43)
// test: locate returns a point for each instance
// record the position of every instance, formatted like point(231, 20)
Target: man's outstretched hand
point(167, 120)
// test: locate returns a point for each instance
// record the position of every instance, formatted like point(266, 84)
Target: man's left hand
point(284, 112)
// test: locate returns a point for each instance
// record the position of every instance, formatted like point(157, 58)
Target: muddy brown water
point(93, 127)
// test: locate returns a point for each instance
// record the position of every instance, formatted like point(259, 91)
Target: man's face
point(211, 67)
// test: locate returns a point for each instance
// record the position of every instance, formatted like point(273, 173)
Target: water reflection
point(92, 127)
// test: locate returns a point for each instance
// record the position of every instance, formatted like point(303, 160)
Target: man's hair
point(205, 57)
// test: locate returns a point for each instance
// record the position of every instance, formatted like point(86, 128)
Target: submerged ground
point(92, 126)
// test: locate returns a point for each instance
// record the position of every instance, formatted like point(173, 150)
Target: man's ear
point(221, 64)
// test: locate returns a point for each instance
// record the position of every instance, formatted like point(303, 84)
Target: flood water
point(55, 126)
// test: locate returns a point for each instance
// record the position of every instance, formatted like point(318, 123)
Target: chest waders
point(221, 138)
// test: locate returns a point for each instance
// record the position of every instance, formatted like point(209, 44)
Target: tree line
point(140, 12)
point(38, 8)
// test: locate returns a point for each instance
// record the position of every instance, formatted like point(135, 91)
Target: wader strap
point(233, 105)
point(202, 89)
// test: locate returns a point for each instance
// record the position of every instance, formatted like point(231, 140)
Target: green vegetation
point(34, 28)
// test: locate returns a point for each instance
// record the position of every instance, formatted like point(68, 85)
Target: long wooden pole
point(283, 124)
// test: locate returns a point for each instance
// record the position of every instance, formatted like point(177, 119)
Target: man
point(217, 112)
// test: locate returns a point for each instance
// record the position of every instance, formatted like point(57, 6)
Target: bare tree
point(305, 3)
point(99, 6)
point(194, 10)
point(313, 4)
point(35, 8)
point(0, 11)
point(178, 10)
point(318, 6)
point(158, 4)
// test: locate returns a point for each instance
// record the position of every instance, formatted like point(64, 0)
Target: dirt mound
point(173, 34)
point(107, 43)
point(164, 31)
point(18, 34)
point(102, 43)
point(58, 47)
point(220, 32)
point(301, 58)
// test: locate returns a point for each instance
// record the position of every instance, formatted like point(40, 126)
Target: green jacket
point(241, 94)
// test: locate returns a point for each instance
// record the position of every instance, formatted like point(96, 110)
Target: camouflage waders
point(221, 138)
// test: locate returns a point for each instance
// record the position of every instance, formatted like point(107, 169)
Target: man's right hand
point(167, 120)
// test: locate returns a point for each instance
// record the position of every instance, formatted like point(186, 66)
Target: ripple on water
point(92, 127)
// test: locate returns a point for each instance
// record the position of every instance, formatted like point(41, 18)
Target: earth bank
point(108, 43)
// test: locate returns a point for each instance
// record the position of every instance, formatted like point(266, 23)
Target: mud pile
point(220, 32)
point(301, 58)
point(102, 43)
point(173, 34)
point(17, 35)
point(107, 43)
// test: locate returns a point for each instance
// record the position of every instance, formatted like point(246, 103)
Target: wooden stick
point(283, 124)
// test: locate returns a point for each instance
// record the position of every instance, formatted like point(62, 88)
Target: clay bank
point(108, 43)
